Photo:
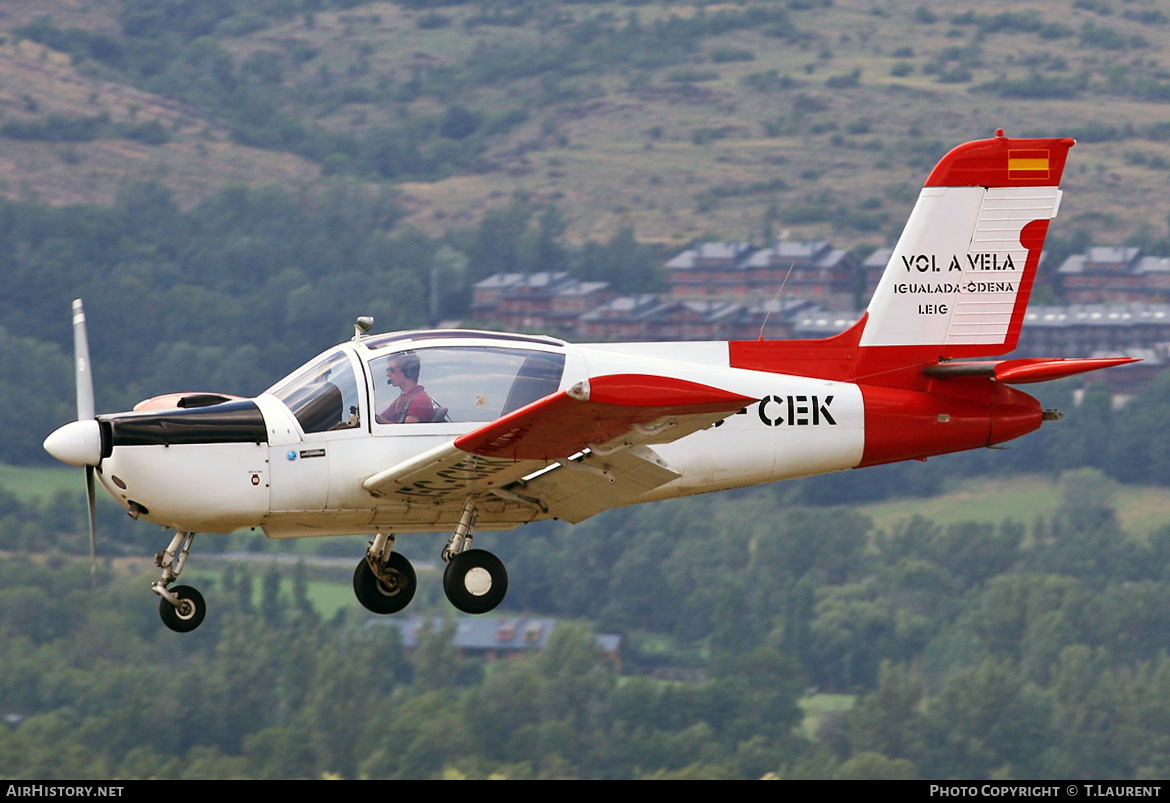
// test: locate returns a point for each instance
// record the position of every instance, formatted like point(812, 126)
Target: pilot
point(414, 405)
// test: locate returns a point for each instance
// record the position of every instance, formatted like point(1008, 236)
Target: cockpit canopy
point(464, 383)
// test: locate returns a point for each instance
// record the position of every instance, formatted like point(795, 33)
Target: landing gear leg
point(460, 540)
point(182, 608)
point(384, 581)
point(475, 580)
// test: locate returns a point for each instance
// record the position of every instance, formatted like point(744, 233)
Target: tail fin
point(958, 282)
point(960, 276)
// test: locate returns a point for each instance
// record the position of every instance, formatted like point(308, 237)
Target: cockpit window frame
point(288, 387)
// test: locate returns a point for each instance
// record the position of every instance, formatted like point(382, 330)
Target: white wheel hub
point(478, 581)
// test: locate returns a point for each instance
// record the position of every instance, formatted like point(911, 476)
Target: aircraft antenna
point(776, 298)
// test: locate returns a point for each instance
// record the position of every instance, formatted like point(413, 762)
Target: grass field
point(817, 707)
point(35, 484)
point(979, 500)
point(1140, 509)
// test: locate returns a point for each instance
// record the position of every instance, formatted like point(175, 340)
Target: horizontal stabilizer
point(1022, 372)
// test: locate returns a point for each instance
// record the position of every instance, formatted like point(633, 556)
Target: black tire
point(188, 615)
point(382, 596)
point(475, 581)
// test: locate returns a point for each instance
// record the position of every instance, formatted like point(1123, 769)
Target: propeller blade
point(85, 405)
point(85, 412)
point(90, 501)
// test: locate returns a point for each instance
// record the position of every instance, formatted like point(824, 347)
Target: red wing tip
point(644, 390)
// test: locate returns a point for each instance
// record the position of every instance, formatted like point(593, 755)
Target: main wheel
point(475, 581)
point(189, 613)
point(392, 592)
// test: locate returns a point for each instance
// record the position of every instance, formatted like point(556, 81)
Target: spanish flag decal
point(1028, 164)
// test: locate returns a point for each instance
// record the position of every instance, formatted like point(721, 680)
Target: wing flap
point(576, 489)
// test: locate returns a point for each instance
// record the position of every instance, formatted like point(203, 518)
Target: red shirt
point(414, 402)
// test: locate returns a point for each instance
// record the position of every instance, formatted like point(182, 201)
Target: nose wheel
point(181, 608)
point(389, 590)
point(188, 614)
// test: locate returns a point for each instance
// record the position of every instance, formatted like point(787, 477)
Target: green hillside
point(678, 119)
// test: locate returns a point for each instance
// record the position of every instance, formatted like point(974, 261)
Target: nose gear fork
point(171, 561)
point(181, 608)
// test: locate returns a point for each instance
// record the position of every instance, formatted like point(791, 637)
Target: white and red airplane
point(515, 428)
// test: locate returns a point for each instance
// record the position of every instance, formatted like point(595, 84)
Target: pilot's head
point(407, 362)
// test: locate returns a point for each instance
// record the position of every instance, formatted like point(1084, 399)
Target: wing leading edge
point(573, 453)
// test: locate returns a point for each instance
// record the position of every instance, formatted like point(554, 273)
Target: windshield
point(323, 394)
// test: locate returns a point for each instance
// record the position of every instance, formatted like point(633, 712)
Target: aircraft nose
point(78, 443)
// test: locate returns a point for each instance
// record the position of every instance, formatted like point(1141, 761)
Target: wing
point(571, 454)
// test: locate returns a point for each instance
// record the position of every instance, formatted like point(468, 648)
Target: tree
point(1010, 606)
point(493, 247)
point(875, 767)
point(436, 658)
point(624, 262)
point(1140, 442)
point(887, 721)
point(984, 723)
point(1086, 431)
point(1087, 540)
